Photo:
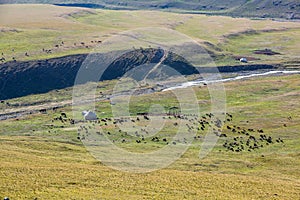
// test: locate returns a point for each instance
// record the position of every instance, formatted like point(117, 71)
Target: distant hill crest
point(287, 9)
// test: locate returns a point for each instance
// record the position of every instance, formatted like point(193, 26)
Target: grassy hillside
point(42, 152)
point(39, 33)
point(44, 31)
point(288, 9)
point(44, 158)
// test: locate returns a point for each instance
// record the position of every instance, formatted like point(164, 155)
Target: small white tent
point(244, 60)
point(89, 115)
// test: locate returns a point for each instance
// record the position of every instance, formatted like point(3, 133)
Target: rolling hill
point(48, 149)
point(287, 9)
point(33, 51)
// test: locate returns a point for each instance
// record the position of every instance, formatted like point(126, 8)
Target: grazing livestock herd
point(232, 137)
point(246, 140)
point(61, 45)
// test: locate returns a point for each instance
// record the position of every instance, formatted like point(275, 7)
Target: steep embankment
point(31, 77)
point(24, 78)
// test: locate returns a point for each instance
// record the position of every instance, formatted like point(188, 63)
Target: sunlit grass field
point(43, 161)
point(44, 158)
point(32, 28)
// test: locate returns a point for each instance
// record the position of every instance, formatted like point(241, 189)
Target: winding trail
point(165, 55)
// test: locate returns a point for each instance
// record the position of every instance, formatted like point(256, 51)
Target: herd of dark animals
point(234, 138)
point(243, 140)
point(57, 46)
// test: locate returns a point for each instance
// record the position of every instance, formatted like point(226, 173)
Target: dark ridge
point(82, 5)
point(236, 68)
point(268, 52)
point(33, 77)
point(139, 57)
point(96, 6)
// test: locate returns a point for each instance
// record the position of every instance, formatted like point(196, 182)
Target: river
point(240, 76)
point(22, 111)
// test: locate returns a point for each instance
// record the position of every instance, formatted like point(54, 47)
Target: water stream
point(238, 77)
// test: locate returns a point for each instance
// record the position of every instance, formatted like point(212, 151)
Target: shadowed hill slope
point(269, 8)
point(32, 77)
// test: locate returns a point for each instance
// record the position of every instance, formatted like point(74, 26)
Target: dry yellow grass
point(36, 16)
point(55, 166)
point(34, 168)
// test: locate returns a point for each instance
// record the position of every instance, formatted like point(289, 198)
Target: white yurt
point(244, 60)
point(89, 115)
